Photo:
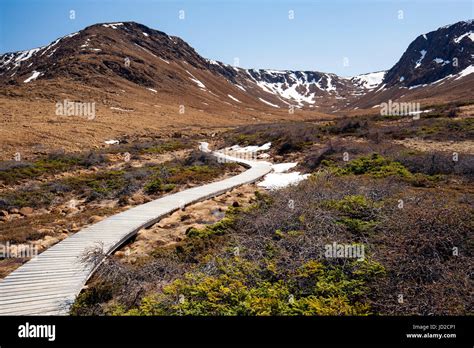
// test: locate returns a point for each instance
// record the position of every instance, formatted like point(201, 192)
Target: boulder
point(94, 218)
point(26, 211)
point(70, 210)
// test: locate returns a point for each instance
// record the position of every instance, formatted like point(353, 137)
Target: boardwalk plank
point(49, 283)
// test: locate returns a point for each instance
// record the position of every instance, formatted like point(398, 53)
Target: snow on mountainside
point(13, 60)
point(434, 56)
point(299, 87)
point(97, 55)
point(289, 87)
point(370, 80)
point(432, 63)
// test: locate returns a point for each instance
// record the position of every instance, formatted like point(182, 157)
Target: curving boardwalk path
point(49, 283)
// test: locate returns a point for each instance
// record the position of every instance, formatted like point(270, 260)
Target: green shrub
point(166, 147)
point(358, 213)
point(357, 226)
point(11, 172)
point(85, 301)
point(352, 205)
point(157, 186)
point(217, 229)
point(34, 197)
point(375, 166)
point(239, 289)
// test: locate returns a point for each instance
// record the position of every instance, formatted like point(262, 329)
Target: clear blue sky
point(258, 32)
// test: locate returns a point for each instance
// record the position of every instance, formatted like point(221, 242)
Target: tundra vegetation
point(411, 210)
point(53, 196)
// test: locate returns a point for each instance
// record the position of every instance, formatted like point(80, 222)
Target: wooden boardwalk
point(49, 283)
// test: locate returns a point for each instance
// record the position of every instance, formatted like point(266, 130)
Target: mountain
point(297, 88)
point(130, 58)
point(434, 56)
point(97, 55)
point(437, 67)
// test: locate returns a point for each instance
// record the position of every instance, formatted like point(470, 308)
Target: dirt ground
point(31, 127)
point(172, 229)
point(466, 146)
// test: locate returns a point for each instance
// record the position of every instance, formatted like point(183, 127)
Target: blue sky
point(258, 32)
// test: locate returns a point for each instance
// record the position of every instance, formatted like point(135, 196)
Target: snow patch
point(469, 70)
point(143, 48)
point(441, 61)
point(370, 80)
point(292, 85)
point(203, 146)
point(418, 62)
point(18, 57)
point(283, 167)
point(199, 83)
point(267, 102)
point(25, 55)
point(233, 98)
point(120, 109)
point(280, 179)
point(470, 35)
point(330, 87)
point(419, 112)
point(112, 25)
point(250, 149)
point(49, 55)
point(33, 77)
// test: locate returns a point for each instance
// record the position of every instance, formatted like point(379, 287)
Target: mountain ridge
point(97, 55)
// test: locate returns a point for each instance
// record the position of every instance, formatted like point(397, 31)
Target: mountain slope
point(141, 82)
point(434, 56)
point(166, 63)
point(437, 67)
point(131, 58)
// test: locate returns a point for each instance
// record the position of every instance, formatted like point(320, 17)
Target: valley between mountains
point(144, 81)
point(110, 117)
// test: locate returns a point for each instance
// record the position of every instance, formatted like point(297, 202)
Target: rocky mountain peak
point(434, 56)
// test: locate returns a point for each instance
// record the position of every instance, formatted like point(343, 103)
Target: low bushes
point(436, 163)
point(12, 172)
point(173, 145)
point(285, 138)
point(270, 259)
point(157, 186)
point(109, 184)
point(426, 250)
point(375, 166)
point(238, 287)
